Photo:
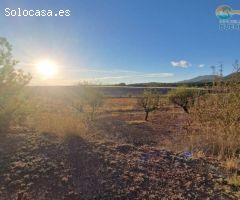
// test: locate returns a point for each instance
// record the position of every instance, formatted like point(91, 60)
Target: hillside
point(197, 81)
point(233, 76)
point(200, 79)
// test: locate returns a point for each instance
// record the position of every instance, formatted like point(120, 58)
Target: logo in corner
point(224, 13)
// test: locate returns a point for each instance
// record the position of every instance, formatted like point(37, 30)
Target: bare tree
point(92, 97)
point(213, 70)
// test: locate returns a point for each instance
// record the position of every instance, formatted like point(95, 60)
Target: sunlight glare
point(47, 69)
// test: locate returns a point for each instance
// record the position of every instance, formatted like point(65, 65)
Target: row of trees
point(150, 101)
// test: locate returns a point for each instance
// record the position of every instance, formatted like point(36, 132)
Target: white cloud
point(201, 65)
point(181, 63)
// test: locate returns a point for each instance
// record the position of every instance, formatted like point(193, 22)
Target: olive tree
point(12, 82)
point(149, 101)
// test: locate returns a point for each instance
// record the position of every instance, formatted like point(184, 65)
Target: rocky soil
point(45, 166)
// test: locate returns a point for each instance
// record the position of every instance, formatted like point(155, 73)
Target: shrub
point(88, 96)
point(149, 101)
point(12, 82)
point(218, 116)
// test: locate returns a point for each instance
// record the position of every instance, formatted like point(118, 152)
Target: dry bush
point(232, 164)
point(234, 180)
point(88, 96)
point(215, 118)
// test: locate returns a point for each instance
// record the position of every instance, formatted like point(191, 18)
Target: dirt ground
point(120, 157)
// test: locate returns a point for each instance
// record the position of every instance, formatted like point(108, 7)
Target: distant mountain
point(210, 78)
point(234, 76)
point(201, 79)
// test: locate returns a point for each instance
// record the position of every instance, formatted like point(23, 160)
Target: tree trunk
point(185, 109)
point(146, 116)
point(92, 114)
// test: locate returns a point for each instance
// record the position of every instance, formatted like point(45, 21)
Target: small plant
point(232, 164)
point(91, 96)
point(234, 180)
point(149, 101)
point(183, 97)
point(78, 105)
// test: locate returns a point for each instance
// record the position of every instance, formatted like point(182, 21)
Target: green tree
point(183, 97)
point(149, 101)
point(12, 82)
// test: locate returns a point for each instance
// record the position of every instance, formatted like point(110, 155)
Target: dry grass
point(210, 129)
point(119, 105)
point(234, 180)
point(232, 164)
point(61, 124)
point(56, 116)
point(199, 154)
point(211, 126)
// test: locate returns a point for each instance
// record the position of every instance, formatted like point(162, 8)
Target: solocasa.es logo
point(225, 12)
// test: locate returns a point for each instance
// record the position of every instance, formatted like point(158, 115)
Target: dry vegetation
point(209, 130)
point(75, 143)
point(119, 123)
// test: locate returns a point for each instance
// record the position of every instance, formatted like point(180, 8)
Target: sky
point(114, 41)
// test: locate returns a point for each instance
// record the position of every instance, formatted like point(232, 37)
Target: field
point(59, 153)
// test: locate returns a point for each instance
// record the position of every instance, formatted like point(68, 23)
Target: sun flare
point(47, 69)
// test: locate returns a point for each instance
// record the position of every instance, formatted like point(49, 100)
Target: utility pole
point(221, 70)
point(213, 70)
point(236, 67)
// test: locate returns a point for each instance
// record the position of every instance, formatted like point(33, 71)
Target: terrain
point(199, 81)
point(117, 156)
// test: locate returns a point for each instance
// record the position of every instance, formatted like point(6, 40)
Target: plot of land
point(120, 156)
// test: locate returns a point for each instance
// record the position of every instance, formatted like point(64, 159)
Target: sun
point(47, 69)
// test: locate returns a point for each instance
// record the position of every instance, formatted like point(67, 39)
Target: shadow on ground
point(49, 167)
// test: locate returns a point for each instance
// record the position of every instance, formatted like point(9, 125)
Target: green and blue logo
point(225, 12)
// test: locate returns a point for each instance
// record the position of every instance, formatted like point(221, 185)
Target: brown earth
point(44, 166)
point(120, 157)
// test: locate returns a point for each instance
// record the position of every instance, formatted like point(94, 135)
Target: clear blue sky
point(112, 41)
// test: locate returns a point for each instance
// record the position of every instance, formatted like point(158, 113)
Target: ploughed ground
point(116, 159)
